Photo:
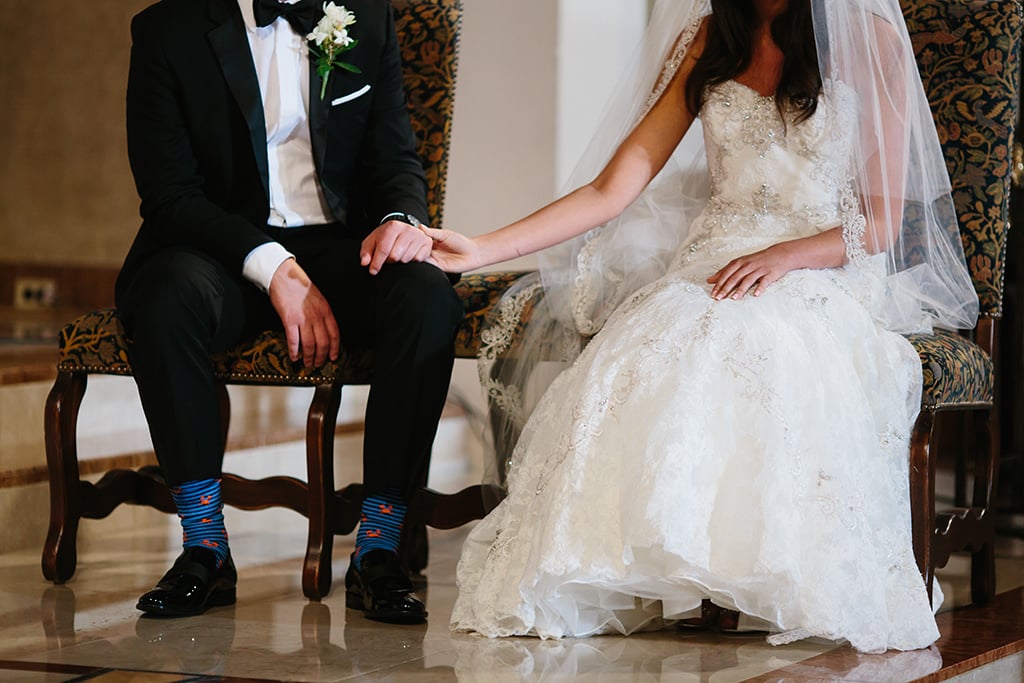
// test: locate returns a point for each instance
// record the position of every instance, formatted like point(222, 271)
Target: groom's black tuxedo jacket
point(197, 135)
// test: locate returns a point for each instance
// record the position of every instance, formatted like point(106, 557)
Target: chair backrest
point(969, 55)
point(428, 31)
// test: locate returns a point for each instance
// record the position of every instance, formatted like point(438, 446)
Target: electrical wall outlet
point(35, 292)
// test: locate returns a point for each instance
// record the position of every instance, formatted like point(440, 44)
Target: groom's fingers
point(366, 249)
point(415, 243)
point(394, 242)
point(307, 338)
point(424, 252)
point(333, 335)
point(291, 335)
point(382, 248)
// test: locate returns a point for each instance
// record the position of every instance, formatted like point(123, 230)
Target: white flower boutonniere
point(330, 40)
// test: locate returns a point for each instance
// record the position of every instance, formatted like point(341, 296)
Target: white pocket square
point(351, 96)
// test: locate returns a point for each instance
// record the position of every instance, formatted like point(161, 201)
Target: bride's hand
point(452, 251)
point(751, 273)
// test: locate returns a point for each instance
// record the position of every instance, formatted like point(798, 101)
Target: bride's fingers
point(746, 284)
point(763, 283)
point(719, 279)
point(732, 275)
point(724, 272)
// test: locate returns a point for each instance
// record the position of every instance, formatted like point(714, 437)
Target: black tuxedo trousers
point(182, 305)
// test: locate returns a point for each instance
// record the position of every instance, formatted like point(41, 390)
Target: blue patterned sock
point(202, 516)
point(380, 526)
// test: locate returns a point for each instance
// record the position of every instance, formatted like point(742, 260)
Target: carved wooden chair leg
point(922, 495)
point(983, 574)
point(60, 553)
point(320, 428)
point(964, 444)
point(983, 560)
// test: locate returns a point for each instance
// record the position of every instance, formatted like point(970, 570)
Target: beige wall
point(534, 78)
point(596, 40)
point(66, 194)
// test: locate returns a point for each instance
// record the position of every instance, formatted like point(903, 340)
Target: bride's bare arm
point(636, 162)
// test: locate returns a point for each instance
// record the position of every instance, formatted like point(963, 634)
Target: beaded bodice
point(773, 179)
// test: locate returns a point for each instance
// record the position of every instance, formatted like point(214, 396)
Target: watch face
point(412, 220)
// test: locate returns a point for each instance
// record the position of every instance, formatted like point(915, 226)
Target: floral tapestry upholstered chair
point(95, 344)
point(969, 54)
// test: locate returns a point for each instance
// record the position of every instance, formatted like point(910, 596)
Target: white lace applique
point(854, 227)
point(583, 290)
point(496, 339)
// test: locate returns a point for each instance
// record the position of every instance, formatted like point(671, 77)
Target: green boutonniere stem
point(324, 66)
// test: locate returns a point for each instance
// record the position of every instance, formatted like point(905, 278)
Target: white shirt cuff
point(262, 262)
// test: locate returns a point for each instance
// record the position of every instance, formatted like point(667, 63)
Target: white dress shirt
point(281, 57)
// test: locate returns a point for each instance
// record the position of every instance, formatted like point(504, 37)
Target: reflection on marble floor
point(274, 633)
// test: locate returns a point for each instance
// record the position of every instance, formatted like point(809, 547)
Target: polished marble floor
point(89, 629)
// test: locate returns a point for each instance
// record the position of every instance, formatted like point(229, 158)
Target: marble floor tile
point(89, 628)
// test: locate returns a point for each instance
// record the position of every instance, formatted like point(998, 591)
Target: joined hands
point(397, 242)
point(394, 242)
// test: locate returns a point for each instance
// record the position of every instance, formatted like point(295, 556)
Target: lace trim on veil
point(854, 226)
point(584, 297)
point(675, 60)
point(496, 340)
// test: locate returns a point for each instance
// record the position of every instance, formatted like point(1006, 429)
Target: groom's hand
point(308, 320)
point(394, 242)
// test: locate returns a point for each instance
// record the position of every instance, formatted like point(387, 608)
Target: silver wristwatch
point(404, 217)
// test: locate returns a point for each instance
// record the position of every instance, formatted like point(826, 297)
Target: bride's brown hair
point(727, 54)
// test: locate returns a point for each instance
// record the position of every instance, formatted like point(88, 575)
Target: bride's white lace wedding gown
point(753, 452)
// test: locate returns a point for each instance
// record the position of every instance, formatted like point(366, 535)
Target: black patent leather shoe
point(192, 585)
point(381, 588)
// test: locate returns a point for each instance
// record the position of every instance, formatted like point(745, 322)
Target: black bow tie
point(300, 14)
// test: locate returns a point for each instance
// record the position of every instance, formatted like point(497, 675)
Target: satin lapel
point(319, 111)
point(231, 46)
